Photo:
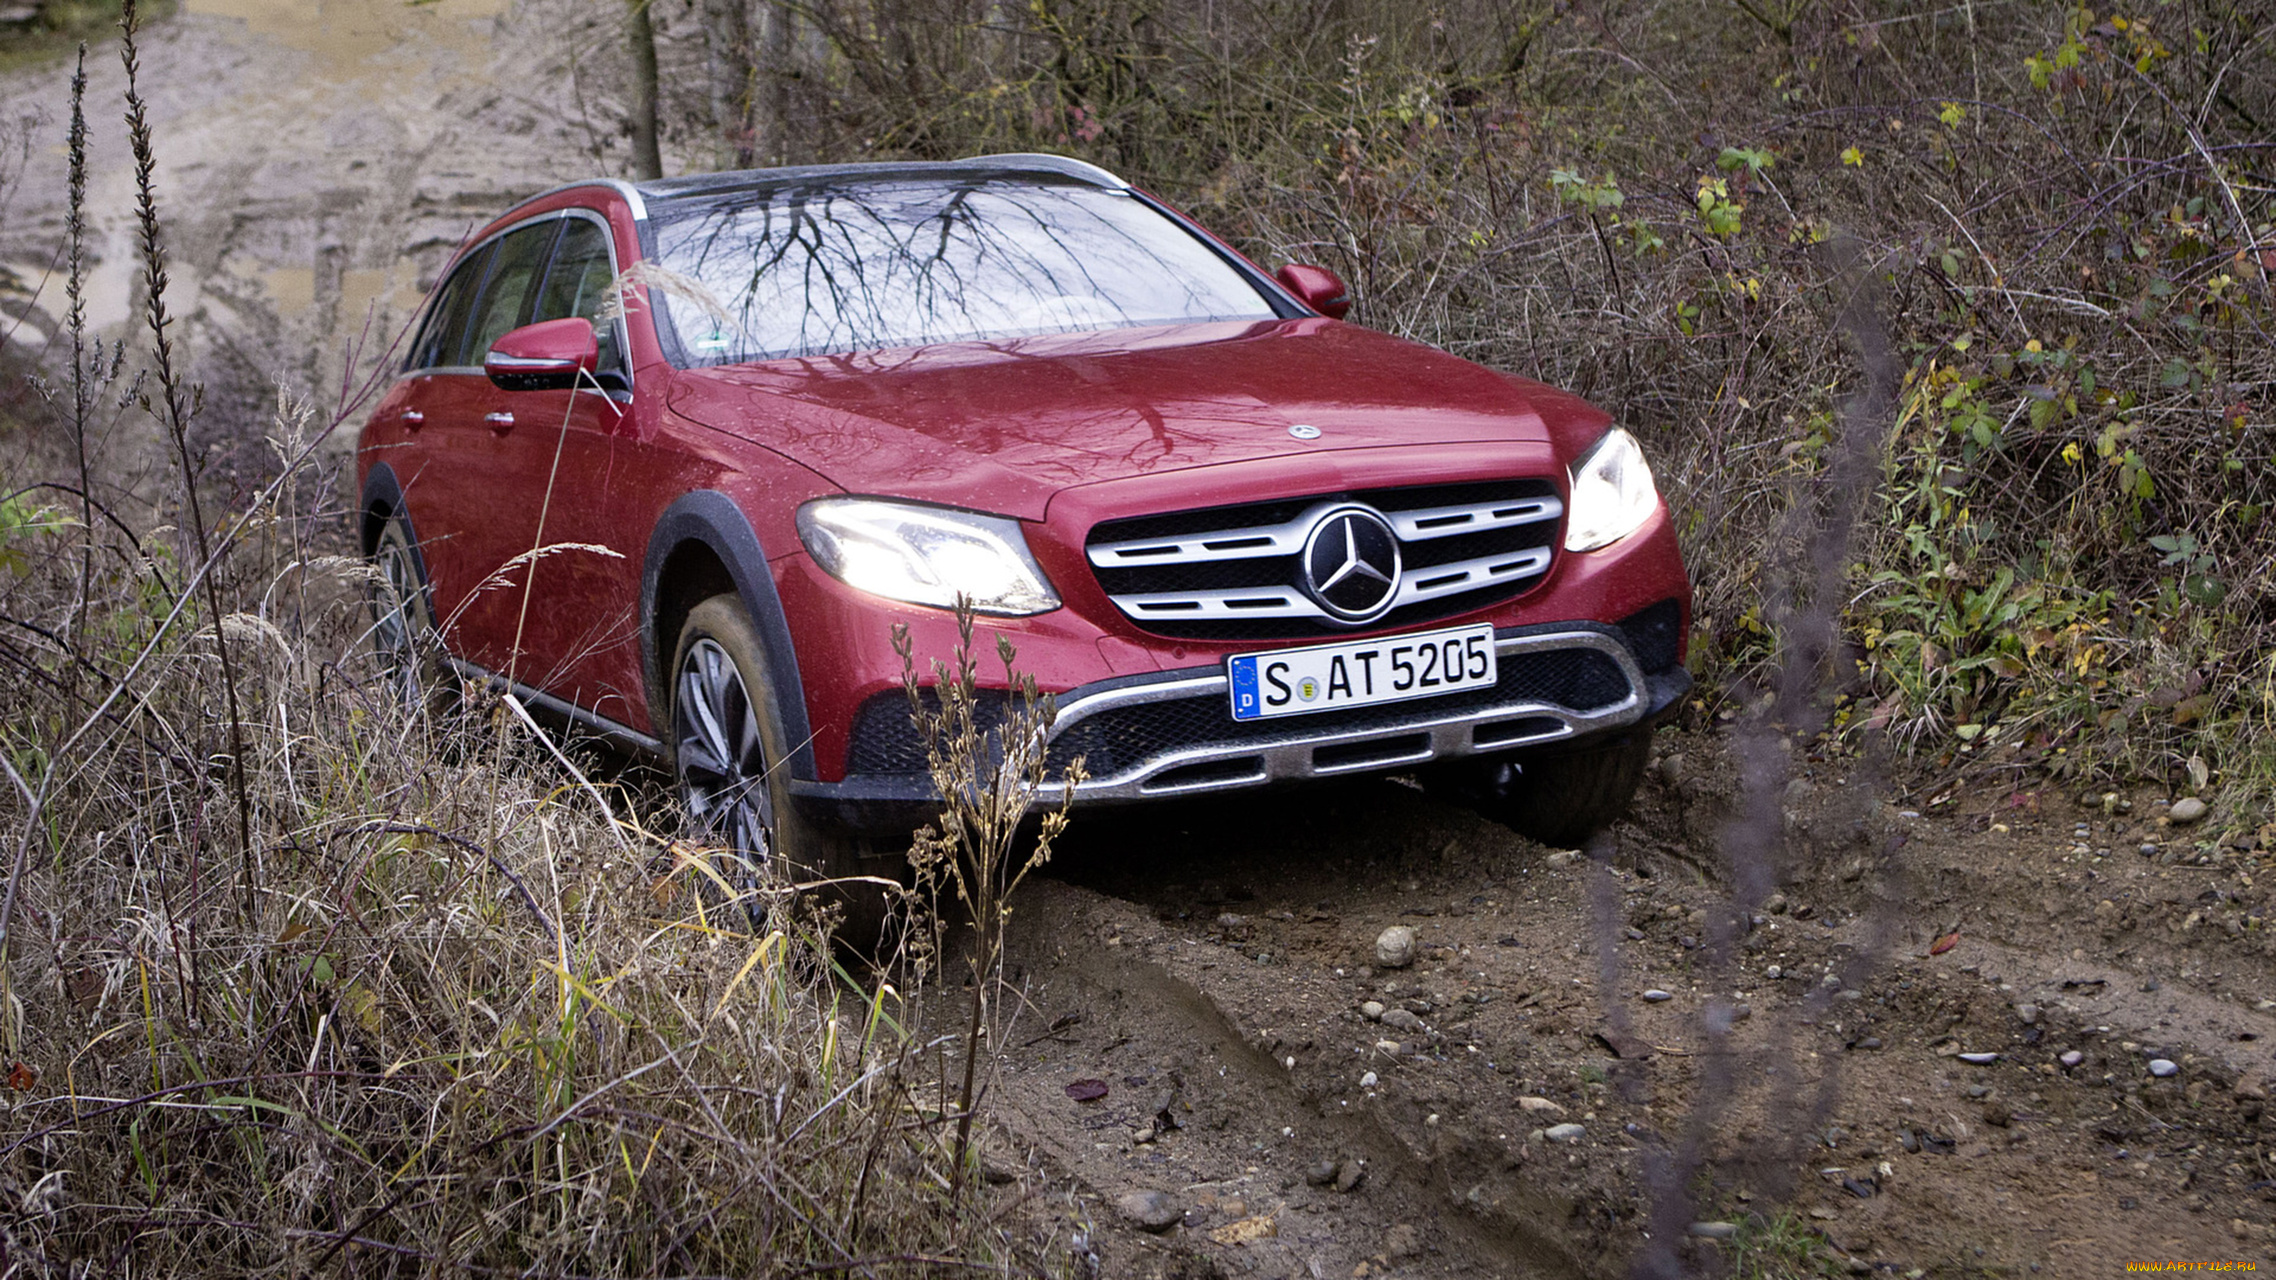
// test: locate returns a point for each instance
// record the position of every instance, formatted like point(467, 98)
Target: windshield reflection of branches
point(820, 270)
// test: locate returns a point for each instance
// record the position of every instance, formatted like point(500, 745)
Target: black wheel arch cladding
point(712, 520)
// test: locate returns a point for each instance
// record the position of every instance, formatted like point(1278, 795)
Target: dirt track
point(1212, 960)
point(1228, 949)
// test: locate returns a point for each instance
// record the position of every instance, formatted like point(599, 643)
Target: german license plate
point(1360, 673)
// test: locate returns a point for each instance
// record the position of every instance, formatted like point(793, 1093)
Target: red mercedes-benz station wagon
point(670, 460)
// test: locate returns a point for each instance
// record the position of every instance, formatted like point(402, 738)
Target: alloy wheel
point(396, 623)
point(722, 763)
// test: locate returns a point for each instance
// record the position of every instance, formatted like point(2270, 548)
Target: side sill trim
point(622, 736)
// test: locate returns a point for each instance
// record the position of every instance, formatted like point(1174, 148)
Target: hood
point(1002, 426)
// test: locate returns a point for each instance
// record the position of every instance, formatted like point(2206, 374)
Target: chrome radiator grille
point(1256, 571)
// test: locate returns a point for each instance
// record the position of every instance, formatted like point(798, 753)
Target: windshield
point(858, 267)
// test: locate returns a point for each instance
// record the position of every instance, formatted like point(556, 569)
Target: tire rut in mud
point(1252, 1126)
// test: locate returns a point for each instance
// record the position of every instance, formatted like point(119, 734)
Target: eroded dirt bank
point(1221, 959)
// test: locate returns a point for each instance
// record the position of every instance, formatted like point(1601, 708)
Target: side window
point(439, 338)
point(505, 295)
point(577, 284)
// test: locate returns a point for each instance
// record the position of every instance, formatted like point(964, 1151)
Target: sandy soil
point(318, 160)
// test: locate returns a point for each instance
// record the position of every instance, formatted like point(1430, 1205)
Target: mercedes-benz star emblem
point(1351, 564)
point(1304, 431)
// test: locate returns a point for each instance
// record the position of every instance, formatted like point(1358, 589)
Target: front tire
point(731, 759)
point(1558, 800)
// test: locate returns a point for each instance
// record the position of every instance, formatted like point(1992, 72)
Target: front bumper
point(1170, 735)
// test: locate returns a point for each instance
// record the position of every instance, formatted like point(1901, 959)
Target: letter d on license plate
point(1360, 673)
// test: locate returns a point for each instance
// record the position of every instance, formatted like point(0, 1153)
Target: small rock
point(1979, 1059)
point(1400, 1019)
point(1402, 1241)
point(1714, 1230)
point(1563, 1133)
point(2187, 810)
point(1540, 1106)
point(2250, 1085)
point(1671, 770)
point(1230, 922)
point(1777, 904)
point(1321, 1174)
point(2164, 1067)
point(1657, 996)
point(1350, 1174)
point(1869, 1042)
point(2071, 1058)
point(1909, 1140)
point(1563, 858)
point(2029, 1013)
point(1150, 1210)
point(1367, 1081)
point(1372, 1010)
point(1395, 947)
point(1390, 1048)
point(1774, 972)
point(1997, 1115)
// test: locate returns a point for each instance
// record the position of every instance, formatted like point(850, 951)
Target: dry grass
point(429, 999)
point(471, 1022)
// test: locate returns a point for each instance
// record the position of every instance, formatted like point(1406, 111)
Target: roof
point(668, 190)
point(699, 185)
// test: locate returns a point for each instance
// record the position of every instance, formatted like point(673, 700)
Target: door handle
point(414, 419)
point(499, 421)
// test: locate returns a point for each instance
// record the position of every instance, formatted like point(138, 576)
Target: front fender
point(712, 520)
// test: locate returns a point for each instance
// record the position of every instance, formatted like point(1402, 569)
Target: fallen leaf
point(21, 1078)
point(1945, 943)
point(1261, 1227)
point(291, 931)
point(1087, 1090)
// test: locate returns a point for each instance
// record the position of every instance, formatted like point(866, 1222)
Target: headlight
point(1612, 493)
point(925, 555)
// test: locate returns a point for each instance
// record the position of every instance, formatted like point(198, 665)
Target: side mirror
point(1316, 287)
point(547, 356)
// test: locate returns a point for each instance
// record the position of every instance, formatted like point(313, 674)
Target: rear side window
point(506, 294)
point(445, 330)
point(577, 284)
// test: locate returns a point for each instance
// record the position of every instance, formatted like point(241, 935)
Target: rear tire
point(1558, 800)
point(731, 759)
point(403, 637)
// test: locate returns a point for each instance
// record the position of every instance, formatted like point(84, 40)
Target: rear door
point(431, 466)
